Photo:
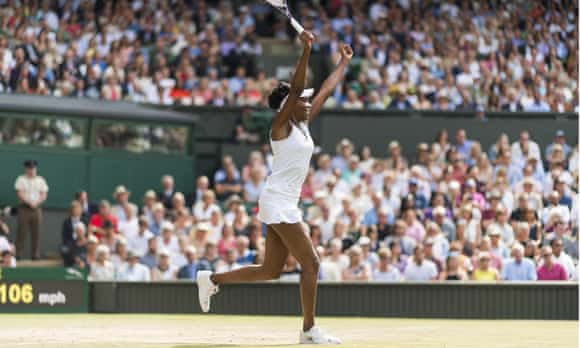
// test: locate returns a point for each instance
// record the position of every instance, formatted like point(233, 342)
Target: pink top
point(557, 272)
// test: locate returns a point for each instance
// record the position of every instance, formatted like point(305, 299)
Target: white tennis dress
point(278, 202)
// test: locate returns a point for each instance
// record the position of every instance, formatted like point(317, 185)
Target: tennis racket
point(282, 6)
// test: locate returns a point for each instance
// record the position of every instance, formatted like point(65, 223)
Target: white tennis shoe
point(317, 336)
point(205, 289)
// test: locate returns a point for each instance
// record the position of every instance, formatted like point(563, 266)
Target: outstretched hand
point(307, 37)
point(346, 52)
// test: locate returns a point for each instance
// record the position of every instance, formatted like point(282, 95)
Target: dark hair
point(277, 95)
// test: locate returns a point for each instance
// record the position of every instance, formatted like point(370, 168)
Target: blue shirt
point(188, 271)
point(372, 218)
point(519, 271)
point(463, 149)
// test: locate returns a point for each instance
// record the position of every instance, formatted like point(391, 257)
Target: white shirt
point(138, 243)
point(330, 271)
point(137, 273)
point(566, 261)
point(31, 187)
point(128, 227)
point(168, 274)
point(204, 214)
point(391, 275)
point(172, 244)
point(426, 271)
point(102, 272)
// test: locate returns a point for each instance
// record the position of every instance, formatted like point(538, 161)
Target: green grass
point(212, 331)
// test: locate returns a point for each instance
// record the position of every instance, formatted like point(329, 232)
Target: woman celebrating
point(292, 148)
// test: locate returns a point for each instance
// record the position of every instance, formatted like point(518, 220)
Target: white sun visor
point(306, 93)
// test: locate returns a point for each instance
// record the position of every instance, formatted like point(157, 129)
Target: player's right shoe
point(317, 336)
point(206, 289)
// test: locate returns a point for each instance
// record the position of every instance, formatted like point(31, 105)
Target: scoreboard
point(43, 290)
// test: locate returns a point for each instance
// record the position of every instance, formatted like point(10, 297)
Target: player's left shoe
point(317, 336)
point(206, 289)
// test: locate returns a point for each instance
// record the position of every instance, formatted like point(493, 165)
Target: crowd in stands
point(455, 211)
point(443, 55)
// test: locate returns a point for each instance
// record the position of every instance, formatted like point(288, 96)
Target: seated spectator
point(229, 263)
point(98, 220)
point(220, 174)
point(559, 139)
point(561, 257)
point(119, 257)
point(168, 240)
point(210, 259)
point(254, 186)
point(158, 220)
point(452, 270)
point(149, 259)
point(518, 268)
point(357, 270)
point(400, 102)
point(88, 208)
point(130, 224)
point(406, 243)
point(484, 272)
point(203, 209)
point(68, 233)
point(230, 184)
point(164, 270)
point(133, 270)
point(165, 195)
point(121, 195)
point(245, 255)
point(550, 270)
point(201, 186)
point(227, 240)
point(418, 268)
point(102, 268)
point(189, 270)
point(385, 271)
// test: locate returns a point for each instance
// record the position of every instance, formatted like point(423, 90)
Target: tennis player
point(292, 148)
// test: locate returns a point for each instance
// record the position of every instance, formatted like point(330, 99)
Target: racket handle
point(297, 26)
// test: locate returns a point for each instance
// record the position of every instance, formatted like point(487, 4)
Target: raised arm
point(280, 123)
point(332, 81)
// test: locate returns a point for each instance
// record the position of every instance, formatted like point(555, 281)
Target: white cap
point(166, 225)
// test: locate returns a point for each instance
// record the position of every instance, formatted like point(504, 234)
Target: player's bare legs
point(276, 254)
point(300, 246)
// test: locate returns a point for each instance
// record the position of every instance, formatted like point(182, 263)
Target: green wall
point(97, 172)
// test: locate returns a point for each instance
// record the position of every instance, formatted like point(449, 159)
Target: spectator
point(210, 258)
point(356, 270)
point(149, 259)
point(485, 272)
point(68, 233)
point(385, 271)
point(562, 258)
point(139, 240)
point(164, 270)
point(165, 195)
point(121, 195)
point(88, 208)
point(452, 270)
point(7, 260)
point(102, 268)
point(133, 270)
point(418, 268)
point(189, 270)
point(158, 220)
point(559, 139)
point(31, 190)
point(550, 270)
point(97, 221)
point(229, 263)
point(518, 268)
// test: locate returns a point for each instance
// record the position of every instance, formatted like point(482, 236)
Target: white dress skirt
point(278, 202)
